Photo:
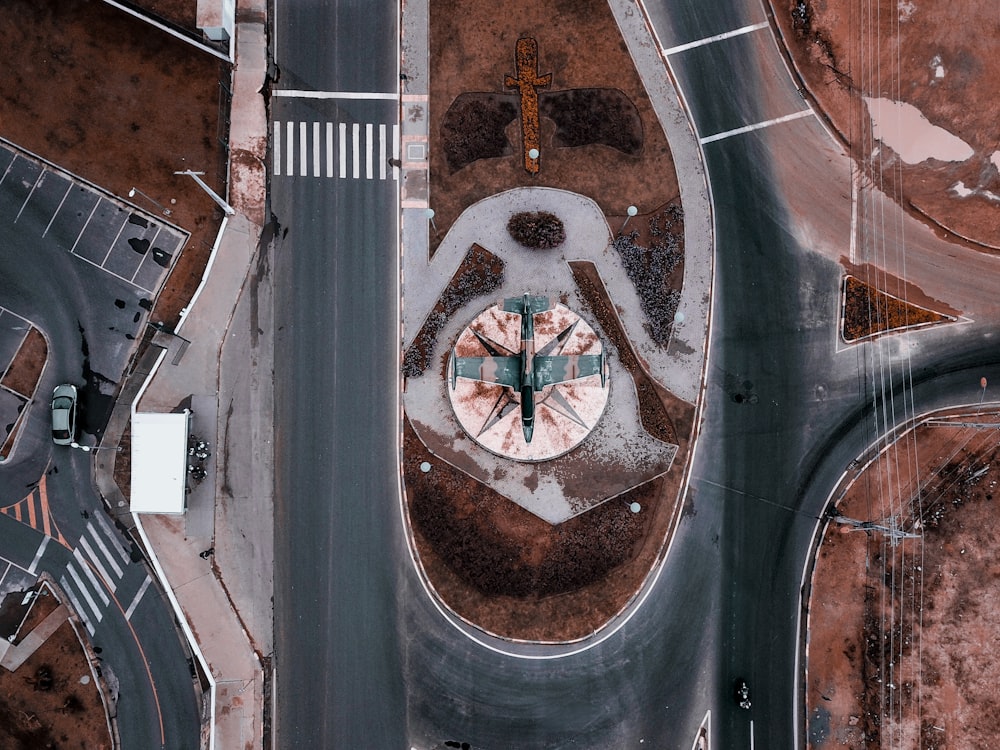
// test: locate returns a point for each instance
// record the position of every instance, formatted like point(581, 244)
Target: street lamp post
point(196, 176)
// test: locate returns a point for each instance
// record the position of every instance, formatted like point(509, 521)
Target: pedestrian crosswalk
point(340, 150)
point(95, 571)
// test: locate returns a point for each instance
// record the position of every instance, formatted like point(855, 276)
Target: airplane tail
point(526, 304)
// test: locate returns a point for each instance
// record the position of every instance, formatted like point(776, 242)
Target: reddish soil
point(491, 561)
point(848, 49)
point(22, 377)
point(120, 104)
point(902, 636)
point(51, 701)
point(121, 114)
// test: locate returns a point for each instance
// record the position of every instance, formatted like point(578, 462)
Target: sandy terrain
point(944, 167)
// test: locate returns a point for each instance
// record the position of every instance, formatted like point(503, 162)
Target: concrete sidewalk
point(215, 561)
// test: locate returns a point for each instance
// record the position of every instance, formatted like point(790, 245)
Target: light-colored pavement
point(219, 365)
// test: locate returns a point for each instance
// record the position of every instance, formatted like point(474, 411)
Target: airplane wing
point(501, 370)
point(550, 370)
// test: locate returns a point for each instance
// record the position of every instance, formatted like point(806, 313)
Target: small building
point(159, 462)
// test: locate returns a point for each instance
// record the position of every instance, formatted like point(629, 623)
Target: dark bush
point(537, 229)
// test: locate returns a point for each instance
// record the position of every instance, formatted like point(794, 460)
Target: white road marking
point(329, 149)
point(755, 126)
point(303, 149)
point(38, 554)
point(107, 555)
point(290, 150)
point(78, 556)
point(277, 148)
point(717, 38)
point(56, 212)
point(368, 150)
point(97, 562)
point(82, 589)
point(342, 132)
point(315, 149)
point(855, 190)
point(109, 532)
point(301, 94)
point(76, 604)
point(382, 164)
point(30, 193)
point(137, 598)
point(356, 153)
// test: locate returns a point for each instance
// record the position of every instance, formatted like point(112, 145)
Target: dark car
point(64, 414)
point(743, 694)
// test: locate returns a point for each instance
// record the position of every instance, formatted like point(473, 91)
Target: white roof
point(159, 462)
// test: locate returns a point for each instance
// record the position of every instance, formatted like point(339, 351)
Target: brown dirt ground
point(492, 562)
point(869, 312)
point(903, 639)
point(44, 704)
point(22, 377)
point(846, 49)
point(121, 114)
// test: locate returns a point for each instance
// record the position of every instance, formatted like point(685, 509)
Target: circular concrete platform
point(565, 413)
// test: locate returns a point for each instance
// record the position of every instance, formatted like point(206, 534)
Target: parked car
point(64, 414)
point(743, 694)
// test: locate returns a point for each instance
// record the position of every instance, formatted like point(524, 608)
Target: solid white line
point(303, 150)
point(382, 164)
point(56, 212)
point(138, 597)
point(30, 193)
point(78, 556)
point(96, 561)
point(316, 149)
point(755, 126)
point(356, 153)
point(342, 132)
point(108, 556)
point(110, 534)
point(301, 94)
point(716, 38)
point(751, 734)
point(329, 149)
point(369, 130)
point(147, 256)
point(76, 604)
point(290, 150)
point(114, 241)
point(276, 155)
point(85, 225)
point(38, 554)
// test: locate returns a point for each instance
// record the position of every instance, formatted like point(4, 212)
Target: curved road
point(364, 657)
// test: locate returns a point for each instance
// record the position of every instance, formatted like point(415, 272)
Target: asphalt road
point(364, 657)
point(338, 536)
point(68, 268)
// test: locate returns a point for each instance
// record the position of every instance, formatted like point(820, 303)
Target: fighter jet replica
point(527, 372)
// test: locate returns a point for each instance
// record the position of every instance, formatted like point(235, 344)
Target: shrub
point(537, 229)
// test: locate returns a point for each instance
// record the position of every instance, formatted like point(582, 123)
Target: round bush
point(537, 229)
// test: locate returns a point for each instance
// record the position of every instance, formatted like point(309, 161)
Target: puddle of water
point(904, 129)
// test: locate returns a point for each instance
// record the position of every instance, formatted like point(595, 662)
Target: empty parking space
point(51, 206)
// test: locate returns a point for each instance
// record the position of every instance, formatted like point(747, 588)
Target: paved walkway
point(218, 363)
point(558, 493)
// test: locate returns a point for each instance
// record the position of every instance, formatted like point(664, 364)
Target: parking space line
point(7, 171)
point(85, 225)
point(147, 255)
point(755, 126)
point(112, 273)
point(30, 193)
point(717, 38)
point(111, 246)
point(56, 212)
